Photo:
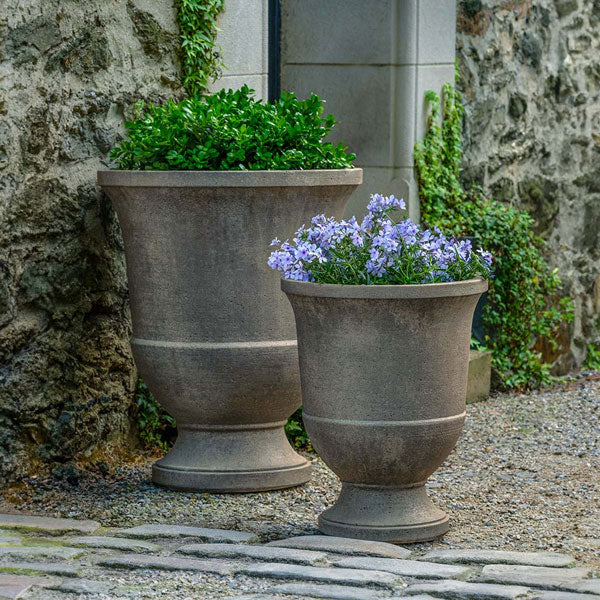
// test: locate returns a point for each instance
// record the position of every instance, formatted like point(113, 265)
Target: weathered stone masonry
point(531, 80)
point(70, 71)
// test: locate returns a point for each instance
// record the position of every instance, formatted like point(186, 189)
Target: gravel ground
point(524, 476)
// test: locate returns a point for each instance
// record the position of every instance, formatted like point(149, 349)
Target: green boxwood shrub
point(231, 130)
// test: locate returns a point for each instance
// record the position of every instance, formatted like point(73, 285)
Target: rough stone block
point(113, 543)
point(335, 592)
point(406, 568)
point(167, 563)
point(542, 577)
point(460, 590)
point(340, 545)
point(480, 376)
point(285, 555)
point(47, 524)
point(566, 7)
point(536, 559)
point(182, 531)
point(323, 574)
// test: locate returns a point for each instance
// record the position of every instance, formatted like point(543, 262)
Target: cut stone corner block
point(480, 374)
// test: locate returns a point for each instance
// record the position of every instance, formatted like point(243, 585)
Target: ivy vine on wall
point(201, 59)
point(525, 303)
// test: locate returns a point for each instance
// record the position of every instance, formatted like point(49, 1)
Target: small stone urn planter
point(384, 375)
point(213, 337)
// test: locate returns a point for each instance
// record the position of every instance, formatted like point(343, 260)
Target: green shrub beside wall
point(525, 303)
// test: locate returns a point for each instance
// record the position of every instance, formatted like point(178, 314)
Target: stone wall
point(69, 73)
point(531, 80)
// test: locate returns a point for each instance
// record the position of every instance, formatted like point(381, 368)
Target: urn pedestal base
point(222, 458)
point(384, 514)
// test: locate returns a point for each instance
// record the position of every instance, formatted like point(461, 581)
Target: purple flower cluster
point(378, 250)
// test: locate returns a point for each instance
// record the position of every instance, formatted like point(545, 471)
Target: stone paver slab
point(340, 545)
point(592, 586)
point(553, 595)
point(201, 533)
point(536, 559)
point(15, 586)
point(542, 577)
point(168, 563)
point(324, 574)
point(37, 551)
point(9, 540)
point(284, 555)
point(82, 586)
point(113, 543)
point(407, 568)
point(462, 590)
point(336, 592)
point(47, 568)
point(47, 524)
point(263, 596)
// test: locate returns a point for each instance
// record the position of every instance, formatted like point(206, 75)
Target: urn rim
point(468, 287)
point(235, 179)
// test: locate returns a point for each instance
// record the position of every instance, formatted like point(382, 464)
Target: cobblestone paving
point(523, 477)
point(42, 558)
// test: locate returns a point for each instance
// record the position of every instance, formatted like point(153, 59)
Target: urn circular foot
point(384, 514)
point(231, 459)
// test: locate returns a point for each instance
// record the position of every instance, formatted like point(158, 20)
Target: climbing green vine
point(525, 304)
point(201, 60)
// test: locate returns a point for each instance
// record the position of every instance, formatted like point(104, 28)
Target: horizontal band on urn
point(215, 345)
point(383, 292)
point(233, 179)
point(233, 427)
point(368, 423)
point(254, 472)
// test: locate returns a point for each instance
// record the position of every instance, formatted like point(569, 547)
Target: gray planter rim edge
point(391, 292)
point(244, 179)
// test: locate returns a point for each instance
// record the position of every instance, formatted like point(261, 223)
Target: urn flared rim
point(468, 287)
point(234, 179)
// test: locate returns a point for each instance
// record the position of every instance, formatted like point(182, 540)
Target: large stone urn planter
point(384, 375)
point(213, 337)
